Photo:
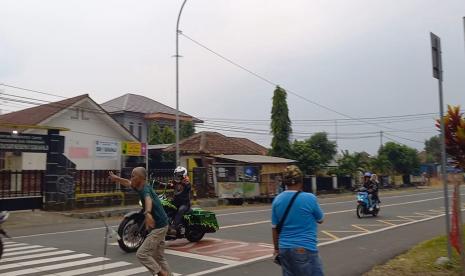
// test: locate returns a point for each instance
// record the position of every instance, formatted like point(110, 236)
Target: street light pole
point(178, 161)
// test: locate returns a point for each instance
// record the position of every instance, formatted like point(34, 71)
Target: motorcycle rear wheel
point(194, 233)
point(128, 228)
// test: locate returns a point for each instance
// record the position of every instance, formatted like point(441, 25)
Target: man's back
point(300, 227)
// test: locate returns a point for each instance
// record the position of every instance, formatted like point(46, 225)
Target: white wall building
point(93, 141)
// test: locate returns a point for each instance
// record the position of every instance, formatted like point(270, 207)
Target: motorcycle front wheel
point(130, 236)
point(360, 212)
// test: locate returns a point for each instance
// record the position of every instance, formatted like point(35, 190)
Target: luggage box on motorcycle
point(204, 218)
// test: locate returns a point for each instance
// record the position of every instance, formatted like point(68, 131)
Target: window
point(140, 131)
point(131, 127)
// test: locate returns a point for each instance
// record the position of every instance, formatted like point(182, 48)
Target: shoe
point(371, 209)
point(172, 232)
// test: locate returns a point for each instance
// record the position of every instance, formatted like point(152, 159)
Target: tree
point(314, 153)
point(155, 135)
point(280, 124)
point(325, 148)
point(351, 164)
point(167, 135)
point(454, 123)
point(186, 130)
point(433, 150)
point(402, 159)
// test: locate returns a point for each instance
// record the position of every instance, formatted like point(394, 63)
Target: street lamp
point(178, 161)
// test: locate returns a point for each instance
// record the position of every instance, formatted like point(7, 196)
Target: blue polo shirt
point(300, 228)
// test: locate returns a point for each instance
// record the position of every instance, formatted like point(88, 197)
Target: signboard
point(238, 189)
point(23, 142)
point(106, 149)
point(436, 54)
point(133, 148)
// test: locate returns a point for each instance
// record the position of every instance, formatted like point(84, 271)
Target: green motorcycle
point(196, 223)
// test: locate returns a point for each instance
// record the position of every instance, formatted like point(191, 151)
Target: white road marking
point(335, 212)
point(221, 268)
point(127, 272)
point(21, 248)
point(53, 267)
point(44, 261)
point(90, 269)
point(33, 256)
point(28, 252)
point(245, 224)
point(199, 257)
point(9, 245)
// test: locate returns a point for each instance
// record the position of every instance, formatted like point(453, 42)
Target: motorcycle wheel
point(194, 233)
point(360, 211)
point(130, 237)
point(375, 212)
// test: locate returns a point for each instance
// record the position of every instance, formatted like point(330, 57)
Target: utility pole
point(178, 160)
point(335, 126)
point(438, 74)
point(380, 138)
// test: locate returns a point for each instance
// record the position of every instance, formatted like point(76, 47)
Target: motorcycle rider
point(372, 189)
point(182, 197)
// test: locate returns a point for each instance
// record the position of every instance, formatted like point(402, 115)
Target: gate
point(20, 190)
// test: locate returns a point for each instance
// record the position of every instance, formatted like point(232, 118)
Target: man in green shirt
point(152, 251)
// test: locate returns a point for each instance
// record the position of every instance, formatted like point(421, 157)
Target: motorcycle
point(365, 206)
point(3, 217)
point(196, 223)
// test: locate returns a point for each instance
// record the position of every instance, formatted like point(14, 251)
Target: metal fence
point(94, 181)
point(21, 183)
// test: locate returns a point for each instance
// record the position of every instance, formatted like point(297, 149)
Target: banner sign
point(23, 142)
point(238, 189)
point(106, 149)
point(133, 148)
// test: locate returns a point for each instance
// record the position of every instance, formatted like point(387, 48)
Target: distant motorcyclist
point(182, 197)
point(372, 189)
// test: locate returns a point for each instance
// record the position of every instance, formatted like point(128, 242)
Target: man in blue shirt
point(296, 244)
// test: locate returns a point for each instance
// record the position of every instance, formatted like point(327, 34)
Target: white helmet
point(180, 172)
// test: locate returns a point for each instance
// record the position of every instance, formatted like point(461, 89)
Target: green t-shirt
point(158, 213)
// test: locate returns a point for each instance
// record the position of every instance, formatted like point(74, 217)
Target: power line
point(32, 90)
point(275, 84)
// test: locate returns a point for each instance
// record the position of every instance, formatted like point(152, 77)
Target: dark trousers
point(182, 210)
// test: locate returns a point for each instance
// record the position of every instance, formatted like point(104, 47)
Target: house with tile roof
point(137, 113)
point(90, 127)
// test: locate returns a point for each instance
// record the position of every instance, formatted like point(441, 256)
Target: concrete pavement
point(243, 244)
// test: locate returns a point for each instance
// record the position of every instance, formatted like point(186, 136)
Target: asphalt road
point(348, 245)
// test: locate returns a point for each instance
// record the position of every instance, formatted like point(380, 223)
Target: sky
point(358, 59)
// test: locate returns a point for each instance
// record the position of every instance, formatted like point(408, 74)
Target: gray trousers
point(152, 252)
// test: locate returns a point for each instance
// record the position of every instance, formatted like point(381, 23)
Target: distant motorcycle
point(196, 222)
point(3, 217)
point(365, 206)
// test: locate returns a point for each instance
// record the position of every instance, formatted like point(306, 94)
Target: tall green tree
point(186, 130)
point(403, 159)
point(167, 135)
point(323, 146)
point(154, 135)
point(433, 150)
point(280, 124)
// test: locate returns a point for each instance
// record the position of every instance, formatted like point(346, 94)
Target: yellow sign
point(132, 148)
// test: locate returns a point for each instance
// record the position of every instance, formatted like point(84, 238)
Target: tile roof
point(139, 104)
point(37, 114)
point(213, 143)
point(257, 159)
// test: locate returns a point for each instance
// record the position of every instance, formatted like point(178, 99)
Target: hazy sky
point(363, 58)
